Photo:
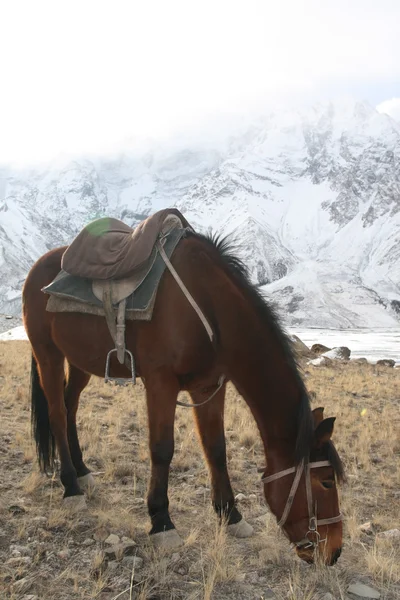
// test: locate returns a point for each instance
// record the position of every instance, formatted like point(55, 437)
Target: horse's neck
point(269, 384)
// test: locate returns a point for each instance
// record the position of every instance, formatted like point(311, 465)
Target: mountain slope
point(312, 200)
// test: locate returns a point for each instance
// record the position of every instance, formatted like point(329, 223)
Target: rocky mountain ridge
point(311, 199)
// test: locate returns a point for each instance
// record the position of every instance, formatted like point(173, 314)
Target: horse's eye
point(328, 484)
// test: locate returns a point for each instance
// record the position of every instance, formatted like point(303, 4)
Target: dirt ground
point(47, 554)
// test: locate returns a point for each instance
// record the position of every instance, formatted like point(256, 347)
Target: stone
point(268, 593)
point(321, 361)
point(64, 554)
point(339, 353)
point(175, 557)
point(386, 362)
point(363, 591)
point(39, 520)
point(15, 509)
point(112, 539)
point(17, 550)
point(112, 566)
point(299, 347)
point(240, 497)
point(366, 527)
point(19, 561)
point(319, 349)
point(166, 540)
point(119, 550)
point(30, 597)
point(100, 535)
point(132, 562)
point(327, 596)
point(88, 542)
point(242, 529)
point(390, 533)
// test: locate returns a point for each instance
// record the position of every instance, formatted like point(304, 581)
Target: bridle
point(313, 522)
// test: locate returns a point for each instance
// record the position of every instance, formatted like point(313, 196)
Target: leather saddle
point(117, 259)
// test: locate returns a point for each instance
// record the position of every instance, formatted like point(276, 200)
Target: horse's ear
point(323, 432)
point(318, 415)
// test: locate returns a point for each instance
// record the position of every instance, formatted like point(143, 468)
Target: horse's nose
point(335, 556)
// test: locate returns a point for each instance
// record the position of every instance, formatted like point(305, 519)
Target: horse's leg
point(52, 376)
point(210, 423)
point(77, 381)
point(161, 390)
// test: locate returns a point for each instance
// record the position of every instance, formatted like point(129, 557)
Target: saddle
point(117, 259)
point(109, 249)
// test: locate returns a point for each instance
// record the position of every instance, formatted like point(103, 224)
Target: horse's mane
point(235, 267)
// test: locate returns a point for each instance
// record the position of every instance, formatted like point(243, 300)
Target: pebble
point(363, 591)
point(268, 593)
point(327, 596)
point(39, 520)
point(240, 497)
point(88, 542)
point(18, 561)
point(390, 533)
point(64, 554)
point(112, 566)
point(100, 535)
point(175, 557)
point(124, 549)
point(366, 527)
point(132, 562)
point(30, 597)
point(112, 539)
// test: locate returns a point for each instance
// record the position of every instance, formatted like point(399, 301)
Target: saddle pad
point(69, 293)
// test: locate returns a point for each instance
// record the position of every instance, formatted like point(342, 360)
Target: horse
point(173, 352)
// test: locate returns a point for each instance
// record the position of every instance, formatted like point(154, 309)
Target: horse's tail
point(44, 439)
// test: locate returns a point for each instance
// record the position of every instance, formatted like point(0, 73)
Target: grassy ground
point(62, 557)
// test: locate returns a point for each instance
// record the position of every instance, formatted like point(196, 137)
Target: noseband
point(313, 523)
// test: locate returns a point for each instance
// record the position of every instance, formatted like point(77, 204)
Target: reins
point(313, 522)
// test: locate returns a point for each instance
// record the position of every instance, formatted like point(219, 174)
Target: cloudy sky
point(79, 76)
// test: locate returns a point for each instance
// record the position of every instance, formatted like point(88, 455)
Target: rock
point(39, 520)
point(390, 533)
point(175, 557)
point(386, 362)
point(15, 509)
point(299, 347)
point(240, 497)
point(64, 554)
point(268, 593)
point(252, 496)
point(327, 596)
point(19, 561)
point(17, 550)
point(119, 550)
point(112, 539)
point(363, 591)
point(30, 597)
point(319, 349)
point(252, 577)
point(366, 527)
point(360, 360)
point(339, 353)
point(113, 566)
point(321, 361)
point(88, 542)
point(132, 562)
point(101, 535)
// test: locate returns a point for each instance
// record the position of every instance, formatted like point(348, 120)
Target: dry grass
point(113, 430)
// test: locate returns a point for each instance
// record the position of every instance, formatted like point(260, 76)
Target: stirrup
point(120, 380)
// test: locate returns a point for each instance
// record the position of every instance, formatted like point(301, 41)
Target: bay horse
point(173, 352)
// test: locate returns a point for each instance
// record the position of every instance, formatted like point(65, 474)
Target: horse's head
point(305, 498)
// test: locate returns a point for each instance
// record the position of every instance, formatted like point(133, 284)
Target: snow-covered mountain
point(311, 198)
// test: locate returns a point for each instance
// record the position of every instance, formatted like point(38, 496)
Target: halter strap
point(313, 521)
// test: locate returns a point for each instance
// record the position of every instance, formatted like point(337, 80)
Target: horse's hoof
point(87, 482)
point(74, 504)
point(166, 540)
point(242, 529)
